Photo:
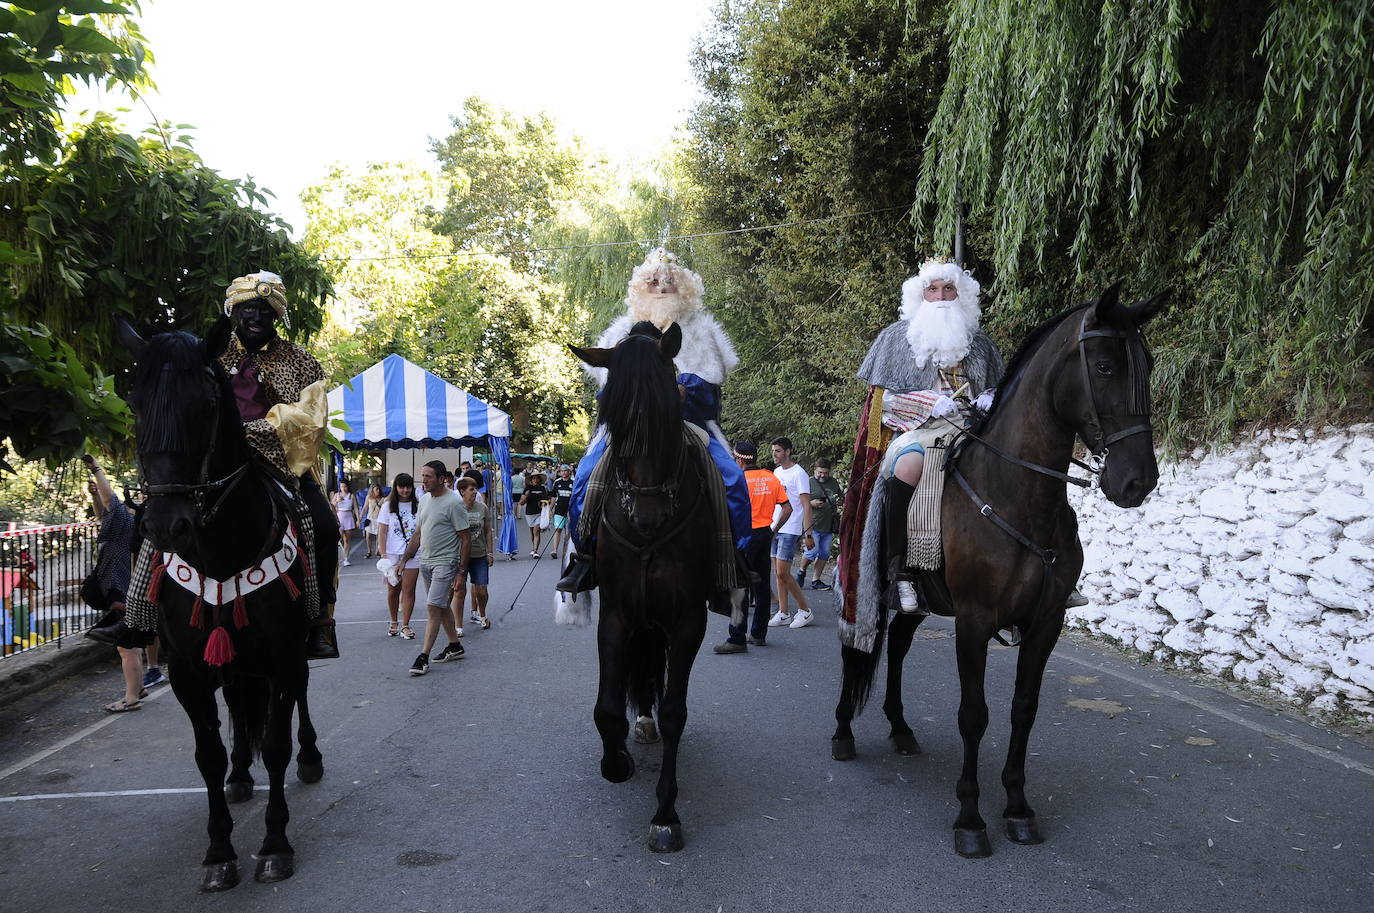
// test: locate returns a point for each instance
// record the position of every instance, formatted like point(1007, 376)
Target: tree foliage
point(1220, 149)
point(813, 111)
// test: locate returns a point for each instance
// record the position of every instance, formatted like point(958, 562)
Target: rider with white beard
point(662, 292)
point(926, 373)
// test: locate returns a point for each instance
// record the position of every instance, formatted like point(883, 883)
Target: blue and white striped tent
point(398, 404)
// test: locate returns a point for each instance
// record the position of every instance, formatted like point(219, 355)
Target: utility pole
point(960, 214)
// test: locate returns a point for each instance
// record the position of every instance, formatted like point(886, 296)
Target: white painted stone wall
point(1256, 562)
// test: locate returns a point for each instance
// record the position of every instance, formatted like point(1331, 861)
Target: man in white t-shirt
point(797, 484)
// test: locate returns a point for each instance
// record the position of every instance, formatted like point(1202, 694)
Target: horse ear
point(671, 343)
point(1108, 301)
point(217, 340)
point(1144, 311)
point(597, 358)
point(128, 337)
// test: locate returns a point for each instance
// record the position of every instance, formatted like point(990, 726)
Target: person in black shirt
point(533, 500)
point(562, 489)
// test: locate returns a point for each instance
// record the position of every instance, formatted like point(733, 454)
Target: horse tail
point(860, 669)
point(648, 666)
point(248, 699)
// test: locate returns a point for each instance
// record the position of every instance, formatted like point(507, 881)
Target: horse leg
point(219, 868)
point(1036, 645)
point(646, 731)
point(900, 635)
point(309, 761)
point(276, 858)
point(665, 829)
point(239, 786)
point(616, 764)
point(971, 647)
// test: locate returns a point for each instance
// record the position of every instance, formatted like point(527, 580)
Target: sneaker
point(800, 576)
point(420, 666)
point(347, 563)
point(804, 618)
point(475, 616)
point(153, 677)
point(459, 632)
point(820, 585)
point(451, 652)
point(906, 595)
point(779, 619)
point(730, 647)
point(756, 641)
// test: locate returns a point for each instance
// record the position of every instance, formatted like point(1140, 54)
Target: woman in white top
point(395, 525)
point(371, 508)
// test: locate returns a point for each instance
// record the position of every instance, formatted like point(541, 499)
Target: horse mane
point(640, 404)
point(159, 395)
point(1016, 367)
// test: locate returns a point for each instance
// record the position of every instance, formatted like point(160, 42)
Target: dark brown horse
point(212, 505)
point(653, 561)
point(1011, 550)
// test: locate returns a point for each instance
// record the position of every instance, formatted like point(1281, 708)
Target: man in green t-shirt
point(826, 498)
point(444, 545)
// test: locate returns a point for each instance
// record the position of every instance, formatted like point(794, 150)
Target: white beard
point(939, 332)
point(660, 310)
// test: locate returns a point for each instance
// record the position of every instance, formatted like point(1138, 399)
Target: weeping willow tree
point(1215, 148)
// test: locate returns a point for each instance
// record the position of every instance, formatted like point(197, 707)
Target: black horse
point(653, 561)
point(211, 505)
point(1011, 550)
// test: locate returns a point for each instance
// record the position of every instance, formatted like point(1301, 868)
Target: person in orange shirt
point(765, 493)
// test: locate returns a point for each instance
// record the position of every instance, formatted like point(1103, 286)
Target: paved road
point(476, 788)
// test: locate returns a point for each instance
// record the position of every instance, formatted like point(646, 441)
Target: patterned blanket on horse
point(723, 541)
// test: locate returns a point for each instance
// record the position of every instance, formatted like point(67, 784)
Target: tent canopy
point(398, 404)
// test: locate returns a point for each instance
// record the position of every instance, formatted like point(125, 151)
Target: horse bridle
point(1100, 441)
point(199, 491)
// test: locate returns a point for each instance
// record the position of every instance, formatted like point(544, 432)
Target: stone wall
point(1256, 562)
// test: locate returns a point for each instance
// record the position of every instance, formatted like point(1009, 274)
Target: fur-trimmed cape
point(889, 363)
point(706, 350)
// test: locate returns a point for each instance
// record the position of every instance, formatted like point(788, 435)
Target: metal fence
point(41, 570)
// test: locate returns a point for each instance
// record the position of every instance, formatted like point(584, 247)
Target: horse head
point(1103, 392)
point(184, 411)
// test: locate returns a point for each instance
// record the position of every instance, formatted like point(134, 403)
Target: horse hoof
point(310, 773)
point(238, 791)
point(905, 743)
point(218, 876)
point(665, 838)
point(275, 867)
point(1024, 831)
point(619, 767)
point(646, 732)
point(843, 749)
point(972, 842)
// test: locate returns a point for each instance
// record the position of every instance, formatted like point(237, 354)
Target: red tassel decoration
point(240, 610)
point(219, 649)
point(305, 560)
point(291, 588)
point(155, 581)
point(196, 620)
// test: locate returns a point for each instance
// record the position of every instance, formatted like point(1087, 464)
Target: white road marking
point(74, 738)
point(180, 791)
point(1271, 732)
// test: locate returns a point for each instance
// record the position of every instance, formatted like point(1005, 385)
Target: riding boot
point(578, 576)
point(321, 642)
point(120, 634)
point(900, 584)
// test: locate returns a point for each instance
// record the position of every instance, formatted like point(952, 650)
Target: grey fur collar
point(889, 363)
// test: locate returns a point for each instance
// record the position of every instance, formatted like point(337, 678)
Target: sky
point(280, 89)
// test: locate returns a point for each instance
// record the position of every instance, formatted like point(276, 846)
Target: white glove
point(943, 406)
point(984, 402)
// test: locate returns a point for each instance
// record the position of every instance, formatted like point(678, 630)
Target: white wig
point(932, 270)
point(690, 288)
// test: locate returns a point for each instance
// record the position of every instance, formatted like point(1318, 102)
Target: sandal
point(122, 706)
point(393, 630)
point(407, 633)
point(486, 623)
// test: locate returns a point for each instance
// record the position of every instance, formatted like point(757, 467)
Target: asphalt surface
point(476, 787)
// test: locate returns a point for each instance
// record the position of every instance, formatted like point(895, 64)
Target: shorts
point(533, 520)
point(438, 583)
point(784, 546)
point(822, 548)
point(478, 571)
point(560, 521)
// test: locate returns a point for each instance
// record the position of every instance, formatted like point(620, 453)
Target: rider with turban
point(279, 389)
point(663, 292)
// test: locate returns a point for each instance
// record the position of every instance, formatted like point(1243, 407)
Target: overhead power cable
point(638, 243)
